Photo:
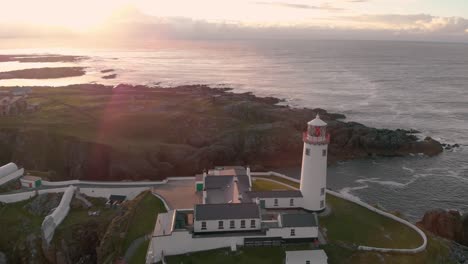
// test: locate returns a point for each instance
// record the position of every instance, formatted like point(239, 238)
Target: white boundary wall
point(53, 220)
point(11, 176)
point(129, 189)
point(422, 247)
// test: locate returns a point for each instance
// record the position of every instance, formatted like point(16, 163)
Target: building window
point(252, 223)
point(322, 191)
point(203, 225)
point(275, 202)
point(232, 224)
point(293, 232)
point(220, 224)
point(291, 202)
point(307, 152)
point(307, 261)
point(242, 223)
point(324, 152)
point(322, 204)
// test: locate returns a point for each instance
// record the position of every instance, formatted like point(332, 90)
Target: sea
point(384, 84)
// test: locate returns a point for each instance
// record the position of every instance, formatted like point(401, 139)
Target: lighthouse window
point(291, 202)
point(307, 152)
point(275, 202)
point(324, 152)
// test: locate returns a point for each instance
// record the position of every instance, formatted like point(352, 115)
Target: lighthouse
point(314, 165)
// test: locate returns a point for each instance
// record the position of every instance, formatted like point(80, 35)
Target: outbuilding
point(306, 257)
point(30, 181)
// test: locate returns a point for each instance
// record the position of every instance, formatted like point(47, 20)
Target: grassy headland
point(82, 131)
point(43, 73)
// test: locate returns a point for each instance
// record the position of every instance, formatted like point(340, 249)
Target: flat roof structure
point(120, 198)
point(275, 194)
point(306, 256)
point(165, 223)
point(30, 178)
point(227, 211)
point(299, 220)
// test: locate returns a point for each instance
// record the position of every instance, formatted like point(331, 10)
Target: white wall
point(282, 202)
point(313, 176)
point(16, 197)
point(14, 175)
point(109, 183)
point(181, 242)
point(421, 248)
point(130, 192)
point(301, 232)
point(53, 220)
point(212, 225)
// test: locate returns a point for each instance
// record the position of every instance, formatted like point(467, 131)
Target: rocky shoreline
point(138, 132)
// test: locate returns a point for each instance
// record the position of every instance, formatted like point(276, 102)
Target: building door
point(262, 204)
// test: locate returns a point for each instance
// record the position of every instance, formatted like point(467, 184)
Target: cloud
point(325, 6)
point(417, 23)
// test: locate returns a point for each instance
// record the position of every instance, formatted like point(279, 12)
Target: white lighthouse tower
point(314, 165)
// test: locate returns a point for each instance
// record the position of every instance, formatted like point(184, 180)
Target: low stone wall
point(53, 220)
point(421, 248)
point(17, 197)
point(106, 183)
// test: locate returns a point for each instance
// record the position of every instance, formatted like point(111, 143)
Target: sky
point(441, 20)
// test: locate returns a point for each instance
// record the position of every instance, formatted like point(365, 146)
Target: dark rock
point(43, 204)
point(447, 224)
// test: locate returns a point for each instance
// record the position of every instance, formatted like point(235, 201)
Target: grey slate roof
point(226, 211)
point(218, 182)
point(275, 194)
point(299, 220)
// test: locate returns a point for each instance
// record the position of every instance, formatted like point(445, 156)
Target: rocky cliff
point(142, 133)
point(450, 224)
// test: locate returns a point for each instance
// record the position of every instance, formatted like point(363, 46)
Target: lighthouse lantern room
point(314, 165)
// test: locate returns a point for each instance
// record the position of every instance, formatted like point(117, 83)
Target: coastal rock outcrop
point(450, 224)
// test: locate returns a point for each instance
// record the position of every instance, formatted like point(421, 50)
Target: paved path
point(179, 194)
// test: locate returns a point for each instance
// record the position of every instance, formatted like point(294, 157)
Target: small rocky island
point(99, 132)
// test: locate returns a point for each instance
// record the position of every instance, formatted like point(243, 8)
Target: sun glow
point(80, 15)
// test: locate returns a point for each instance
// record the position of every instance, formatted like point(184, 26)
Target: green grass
point(144, 218)
point(140, 255)
point(16, 224)
point(78, 216)
point(354, 224)
point(283, 180)
point(262, 185)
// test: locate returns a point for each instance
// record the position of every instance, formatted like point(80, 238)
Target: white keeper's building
point(232, 214)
